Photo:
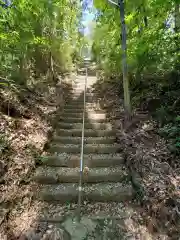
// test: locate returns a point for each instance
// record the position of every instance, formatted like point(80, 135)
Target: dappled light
point(93, 115)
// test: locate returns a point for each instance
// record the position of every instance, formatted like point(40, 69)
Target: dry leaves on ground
point(22, 139)
point(147, 155)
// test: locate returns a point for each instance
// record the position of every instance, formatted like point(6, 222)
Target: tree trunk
point(127, 103)
point(177, 30)
point(145, 17)
point(177, 17)
point(52, 35)
point(22, 68)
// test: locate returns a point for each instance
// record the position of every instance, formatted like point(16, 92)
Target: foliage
point(152, 42)
point(171, 131)
point(39, 160)
point(38, 37)
point(153, 32)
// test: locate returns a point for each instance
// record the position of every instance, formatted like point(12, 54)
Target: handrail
point(82, 152)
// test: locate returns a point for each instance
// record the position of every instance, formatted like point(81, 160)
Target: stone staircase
point(104, 173)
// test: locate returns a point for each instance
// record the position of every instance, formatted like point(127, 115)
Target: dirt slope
point(26, 123)
point(152, 172)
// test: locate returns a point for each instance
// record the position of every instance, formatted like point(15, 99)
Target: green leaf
point(177, 144)
point(43, 159)
point(177, 119)
point(4, 84)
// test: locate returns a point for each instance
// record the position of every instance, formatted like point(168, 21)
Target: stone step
point(77, 140)
point(90, 160)
point(79, 93)
point(73, 105)
point(53, 175)
point(72, 114)
point(77, 105)
point(54, 212)
point(70, 120)
point(88, 115)
point(87, 133)
point(98, 192)
point(88, 148)
point(79, 120)
point(76, 99)
point(73, 110)
point(64, 125)
point(78, 102)
point(79, 87)
point(90, 109)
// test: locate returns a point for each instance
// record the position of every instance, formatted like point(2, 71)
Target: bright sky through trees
point(88, 15)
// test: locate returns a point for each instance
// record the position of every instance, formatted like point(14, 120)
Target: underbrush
point(146, 143)
point(171, 132)
point(159, 95)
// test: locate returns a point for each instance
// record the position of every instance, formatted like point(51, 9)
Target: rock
point(79, 230)
point(148, 127)
point(50, 226)
point(76, 230)
point(31, 235)
point(56, 234)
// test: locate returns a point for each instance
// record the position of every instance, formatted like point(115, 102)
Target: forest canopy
point(38, 37)
point(153, 56)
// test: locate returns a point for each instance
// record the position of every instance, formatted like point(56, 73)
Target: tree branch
point(116, 4)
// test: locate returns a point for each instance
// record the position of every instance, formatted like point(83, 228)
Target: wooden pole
point(127, 103)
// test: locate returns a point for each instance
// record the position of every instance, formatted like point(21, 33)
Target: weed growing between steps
point(151, 170)
point(22, 139)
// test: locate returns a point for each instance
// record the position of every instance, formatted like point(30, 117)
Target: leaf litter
point(149, 161)
point(22, 137)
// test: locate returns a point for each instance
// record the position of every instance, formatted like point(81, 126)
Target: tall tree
point(127, 102)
